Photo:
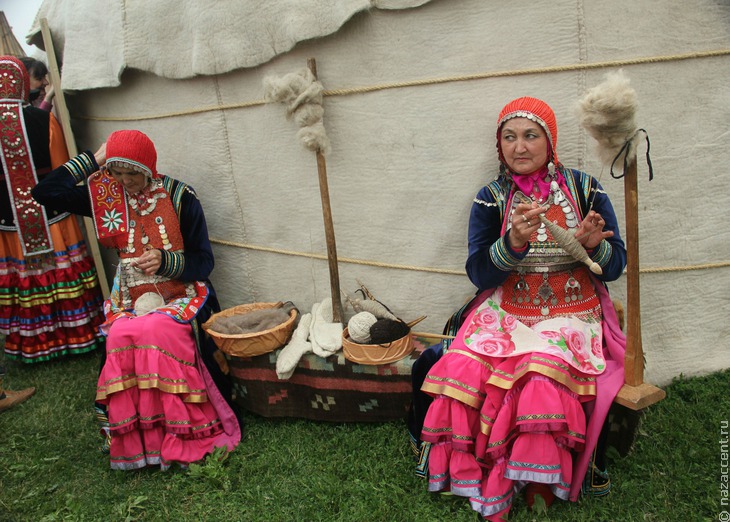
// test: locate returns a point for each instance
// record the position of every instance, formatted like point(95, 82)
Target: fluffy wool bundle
point(607, 112)
point(253, 321)
point(147, 302)
point(385, 331)
point(302, 95)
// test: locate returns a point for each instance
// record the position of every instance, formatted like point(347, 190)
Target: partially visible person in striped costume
point(50, 300)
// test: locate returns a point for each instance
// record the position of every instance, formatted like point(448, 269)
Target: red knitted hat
point(535, 110)
point(132, 149)
point(14, 79)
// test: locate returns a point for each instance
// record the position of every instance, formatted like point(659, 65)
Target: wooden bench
point(332, 389)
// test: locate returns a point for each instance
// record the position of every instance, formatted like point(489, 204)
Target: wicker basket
point(254, 343)
point(374, 354)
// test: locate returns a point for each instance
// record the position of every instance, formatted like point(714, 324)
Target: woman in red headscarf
point(50, 301)
point(521, 395)
point(166, 398)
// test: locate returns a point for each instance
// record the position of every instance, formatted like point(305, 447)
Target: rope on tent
point(705, 266)
point(536, 70)
point(721, 264)
point(432, 81)
point(339, 259)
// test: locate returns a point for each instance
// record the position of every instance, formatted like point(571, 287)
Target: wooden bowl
point(373, 354)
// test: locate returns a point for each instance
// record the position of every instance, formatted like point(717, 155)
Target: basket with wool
point(373, 354)
point(253, 343)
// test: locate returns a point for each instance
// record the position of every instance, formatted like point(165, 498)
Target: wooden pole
point(65, 120)
point(634, 360)
point(635, 393)
point(329, 229)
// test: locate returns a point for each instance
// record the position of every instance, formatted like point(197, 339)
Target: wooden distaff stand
point(635, 393)
point(65, 121)
point(329, 229)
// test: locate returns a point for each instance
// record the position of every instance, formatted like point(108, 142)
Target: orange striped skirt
point(51, 304)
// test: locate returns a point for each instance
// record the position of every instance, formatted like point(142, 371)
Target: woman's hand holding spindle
point(525, 220)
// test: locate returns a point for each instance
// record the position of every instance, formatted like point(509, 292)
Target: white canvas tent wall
point(411, 150)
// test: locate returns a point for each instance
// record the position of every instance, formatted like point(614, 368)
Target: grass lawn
point(286, 470)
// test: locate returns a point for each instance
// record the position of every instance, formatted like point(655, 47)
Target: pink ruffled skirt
point(497, 424)
point(158, 401)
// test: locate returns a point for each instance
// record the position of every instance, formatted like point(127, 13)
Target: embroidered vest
point(548, 281)
point(153, 223)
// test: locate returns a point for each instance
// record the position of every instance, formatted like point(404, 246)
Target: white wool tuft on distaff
point(607, 112)
point(302, 95)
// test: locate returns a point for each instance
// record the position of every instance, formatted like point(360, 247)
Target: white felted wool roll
point(288, 358)
point(325, 335)
point(147, 302)
point(359, 327)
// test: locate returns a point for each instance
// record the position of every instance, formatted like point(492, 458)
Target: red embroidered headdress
point(17, 160)
point(14, 79)
point(132, 149)
point(535, 110)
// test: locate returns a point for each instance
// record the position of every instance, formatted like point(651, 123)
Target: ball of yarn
point(385, 331)
point(359, 327)
point(147, 302)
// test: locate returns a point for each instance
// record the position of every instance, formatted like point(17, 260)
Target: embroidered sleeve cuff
point(602, 253)
point(523, 248)
point(502, 257)
point(173, 264)
point(82, 166)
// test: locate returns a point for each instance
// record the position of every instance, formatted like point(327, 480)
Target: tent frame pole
point(65, 120)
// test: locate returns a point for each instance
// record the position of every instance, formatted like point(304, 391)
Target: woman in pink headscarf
point(521, 395)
